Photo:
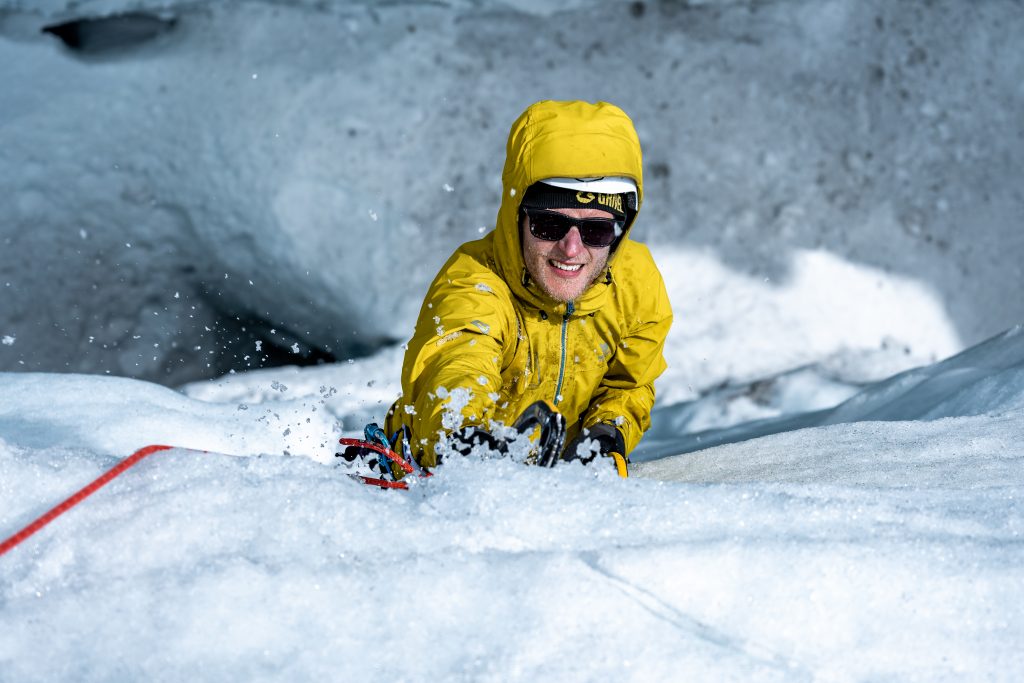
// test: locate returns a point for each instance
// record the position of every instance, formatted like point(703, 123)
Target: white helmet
point(605, 185)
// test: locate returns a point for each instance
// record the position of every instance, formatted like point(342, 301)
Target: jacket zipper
point(561, 368)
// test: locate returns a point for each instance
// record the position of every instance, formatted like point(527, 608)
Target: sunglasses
point(553, 226)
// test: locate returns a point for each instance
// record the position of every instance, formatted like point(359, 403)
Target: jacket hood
point(568, 140)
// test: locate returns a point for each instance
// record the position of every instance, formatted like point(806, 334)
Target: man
point(555, 304)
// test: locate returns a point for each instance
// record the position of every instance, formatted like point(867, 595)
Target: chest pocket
point(592, 347)
point(532, 368)
point(518, 363)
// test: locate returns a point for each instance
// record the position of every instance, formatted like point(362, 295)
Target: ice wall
point(293, 174)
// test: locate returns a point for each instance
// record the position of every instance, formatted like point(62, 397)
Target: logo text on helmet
point(612, 201)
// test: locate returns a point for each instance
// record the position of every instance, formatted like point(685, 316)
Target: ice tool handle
point(374, 434)
point(552, 431)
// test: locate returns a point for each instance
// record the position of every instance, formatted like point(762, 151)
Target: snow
point(831, 488)
point(884, 543)
point(834, 308)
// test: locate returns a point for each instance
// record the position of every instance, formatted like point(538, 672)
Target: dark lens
point(548, 225)
point(598, 232)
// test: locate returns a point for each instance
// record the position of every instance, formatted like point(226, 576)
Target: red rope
point(138, 455)
point(383, 483)
point(78, 497)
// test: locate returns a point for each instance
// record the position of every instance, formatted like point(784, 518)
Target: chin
point(563, 294)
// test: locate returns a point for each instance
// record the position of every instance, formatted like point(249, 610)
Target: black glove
point(609, 440)
point(466, 438)
point(364, 456)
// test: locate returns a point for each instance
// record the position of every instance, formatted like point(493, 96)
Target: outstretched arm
point(452, 371)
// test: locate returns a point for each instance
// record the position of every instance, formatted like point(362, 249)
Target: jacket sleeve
point(626, 394)
point(451, 377)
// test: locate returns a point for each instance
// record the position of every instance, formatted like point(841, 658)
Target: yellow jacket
point(486, 327)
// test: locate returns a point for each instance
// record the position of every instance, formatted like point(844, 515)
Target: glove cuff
point(610, 437)
point(607, 436)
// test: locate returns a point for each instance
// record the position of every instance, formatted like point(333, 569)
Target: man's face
point(564, 269)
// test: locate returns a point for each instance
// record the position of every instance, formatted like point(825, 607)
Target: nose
point(572, 243)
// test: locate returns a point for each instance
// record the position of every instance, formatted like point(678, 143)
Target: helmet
point(605, 185)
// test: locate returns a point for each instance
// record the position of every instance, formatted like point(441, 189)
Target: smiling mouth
point(569, 267)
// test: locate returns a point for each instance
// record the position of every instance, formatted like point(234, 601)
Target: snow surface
point(976, 382)
point(885, 547)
